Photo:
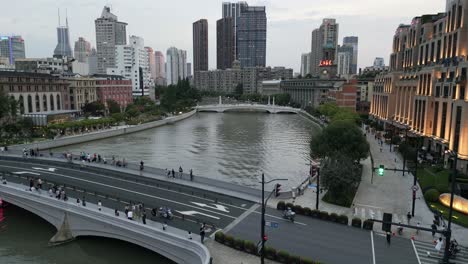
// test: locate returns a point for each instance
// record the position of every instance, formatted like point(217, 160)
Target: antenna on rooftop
point(58, 16)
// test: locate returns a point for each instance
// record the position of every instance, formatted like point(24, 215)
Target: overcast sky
point(169, 23)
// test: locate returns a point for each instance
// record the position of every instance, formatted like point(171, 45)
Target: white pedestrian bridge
point(73, 220)
point(269, 108)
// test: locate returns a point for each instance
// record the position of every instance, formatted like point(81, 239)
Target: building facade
point(425, 89)
point(305, 64)
point(225, 43)
point(251, 36)
point(114, 87)
point(379, 62)
point(352, 42)
point(12, 47)
point(109, 33)
point(200, 45)
point(176, 65)
point(344, 61)
point(151, 62)
point(42, 65)
point(346, 96)
point(82, 50)
point(82, 90)
point(35, 92)
point(324, 45)
point(233, 10)
point(63, 48)
point(132, 62)
point(160, 68)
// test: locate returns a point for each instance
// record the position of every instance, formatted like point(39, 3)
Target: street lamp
point(262, 235)
point(448, 233)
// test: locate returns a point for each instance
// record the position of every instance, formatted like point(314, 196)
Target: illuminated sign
point(3, 38)
point(325, 63)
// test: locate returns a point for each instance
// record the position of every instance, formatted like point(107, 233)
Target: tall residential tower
point(200, 45)
point(12, 47)
point(251, 36)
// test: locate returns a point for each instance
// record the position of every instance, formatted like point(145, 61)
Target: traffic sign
point(271, 224)
point(415, 188)
point(259, 247)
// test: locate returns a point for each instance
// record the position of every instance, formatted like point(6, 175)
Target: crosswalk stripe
point(423, 247)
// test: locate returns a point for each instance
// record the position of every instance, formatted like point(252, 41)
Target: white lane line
point(25, 172)
point(158, 188)
point(373, 249)
point(216, 206)
point(276, 217)
point(143, 194)
point(240, 218)
point(196, 213)
point(415, 251)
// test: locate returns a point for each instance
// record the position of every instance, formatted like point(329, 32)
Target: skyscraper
point(82, 50)
point(251, 36)
point(344, 60)
point(225, 43)
point(92, 62)
point(233, 10)
point(324, 44)
point(352, 42)
point(305, 64)
point(200, 45)
point(12, 47)
point(63, 48)
point(160, 68)
point(176, 65)
point(151, 62)
point(132, 62)
point(109, 33)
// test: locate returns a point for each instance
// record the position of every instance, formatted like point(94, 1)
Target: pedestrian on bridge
point(142, 164)
point(180, 171)
point(202, 233)
point(39, 183)
point(4, 181)
point(191, 175)
point(83, 202)
point(164, 225)
point(99, 204)
point(143, 218)
point(130, 215)
point(173, 173)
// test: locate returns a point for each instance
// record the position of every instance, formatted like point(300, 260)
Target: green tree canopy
point(94, 108)
point(340, 137)
point(113, 106)
point(339, 174)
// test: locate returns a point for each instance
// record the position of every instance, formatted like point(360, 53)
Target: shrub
point(239, 243)
point(229, 240)
point(281, 206)
point(290, 205)
point(333, 217)
point(324, 215)
point(294, 260)
point(368, 225)
point(298, 209)
point(432, 195)
point(356, 222)
point(307, 261)
point(270, 253)
point(442, 188)
point(219, 236)
point(283, 256)
point(315, 213)
point(307, 211)
point(250, 247)
point(343, 219)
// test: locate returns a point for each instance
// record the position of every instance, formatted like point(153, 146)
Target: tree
point(239, 91)
point(308, 76)
point(340, 137)
point(328, 109)
point(113, 106)
point(93, 108)
point(339, 175)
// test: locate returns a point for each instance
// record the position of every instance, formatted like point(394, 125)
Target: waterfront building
point(63, 48)
point(233, 11)
point(353, 42)
point(200, 46)
point(35, 92)
point(324, 45)
point(425, 89)
point(12, 47)
point(364, 94)
point(176, 65)
point(132, 62)
point(114, 87)
point(82, 50)
point(251, 36)
point(225, 43)
point(109, 33)
point(160, 68)
point(151, 62)
point(82, 90)
point(305, 64)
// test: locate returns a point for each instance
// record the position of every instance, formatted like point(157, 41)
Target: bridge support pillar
point(273, 100)
point(220, 100)
point(268, 100)
point(63, 234)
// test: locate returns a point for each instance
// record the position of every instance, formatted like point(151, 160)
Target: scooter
point(289, 215)
point(165, 212)
point(454, 249)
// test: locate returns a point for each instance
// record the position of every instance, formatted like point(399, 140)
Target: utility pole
point(415, 178)
point(448, 236)
point(262, 251)
point(318, 189)
point(404, 156)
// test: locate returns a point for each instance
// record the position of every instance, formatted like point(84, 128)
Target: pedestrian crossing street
point(376, 213)
point(427, 253)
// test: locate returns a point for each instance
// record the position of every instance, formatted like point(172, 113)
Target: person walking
point(408, 216)
point(439, 245)
point(99, 204)
point(126, 209)
point(202, 233)
point(39, 184)
point(389, 238)
point(83, 202)
point(116, 212)
point(189, 235)
point(164, 225)
point(143, 218)
point(51, 192)
point(180, 171)
point(434, 229)
point(173, 173)
point(417, 230)
point(31, 184)
point(130, 215)
point(142, 164)
point(191, 175)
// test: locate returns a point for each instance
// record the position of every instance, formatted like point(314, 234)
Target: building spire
point(58, 9)
point(66, 17)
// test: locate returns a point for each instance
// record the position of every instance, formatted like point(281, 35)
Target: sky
point(163, 24)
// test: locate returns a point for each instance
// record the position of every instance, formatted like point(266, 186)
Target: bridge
point(268, 108)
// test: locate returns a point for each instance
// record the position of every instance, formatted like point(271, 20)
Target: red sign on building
point(325, 63)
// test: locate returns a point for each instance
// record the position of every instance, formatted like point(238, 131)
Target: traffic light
point(277, 189)
point(381, 170)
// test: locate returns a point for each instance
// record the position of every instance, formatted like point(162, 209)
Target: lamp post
point(262, 235)
point(448, 232)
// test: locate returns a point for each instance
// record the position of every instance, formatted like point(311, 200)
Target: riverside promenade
point(101, 134)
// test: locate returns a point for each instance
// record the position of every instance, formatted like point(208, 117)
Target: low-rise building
point(82, 90)
point(113, 87)
point(270, 87)
point(346, 95)
point(36, 92)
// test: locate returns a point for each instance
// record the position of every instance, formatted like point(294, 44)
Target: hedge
point(324, 215)
point(333, 217)
point(298, 209)
point(343, 219)
point(368, 224)
point(432, 195)
point(356, 222)
point(281, 206)
point(307, 211)
point(270, 253)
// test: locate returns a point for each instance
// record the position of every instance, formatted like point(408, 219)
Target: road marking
point(217, 206)
point(130, 191)
point(26, 172)
point(272, 216)
point(415, 251)
point(197, 213)
point(240, 218)
point(49, 169)
point(158, 188)
point(373, 249)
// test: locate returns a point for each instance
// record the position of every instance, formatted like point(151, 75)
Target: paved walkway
point(226, 255)
point(390, 194)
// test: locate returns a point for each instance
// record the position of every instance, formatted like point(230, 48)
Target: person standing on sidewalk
point(143, 218)
point(180, 171)
point(408, 216)
point(202, 233)
point(189, 235)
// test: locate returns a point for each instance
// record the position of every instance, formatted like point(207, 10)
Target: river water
point(234, 147)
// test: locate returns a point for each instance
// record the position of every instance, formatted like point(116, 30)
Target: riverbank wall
point(71, 140)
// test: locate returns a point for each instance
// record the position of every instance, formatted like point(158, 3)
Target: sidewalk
point(227, 255)
point(390, 194)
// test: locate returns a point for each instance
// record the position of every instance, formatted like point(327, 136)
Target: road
point(115, 192)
